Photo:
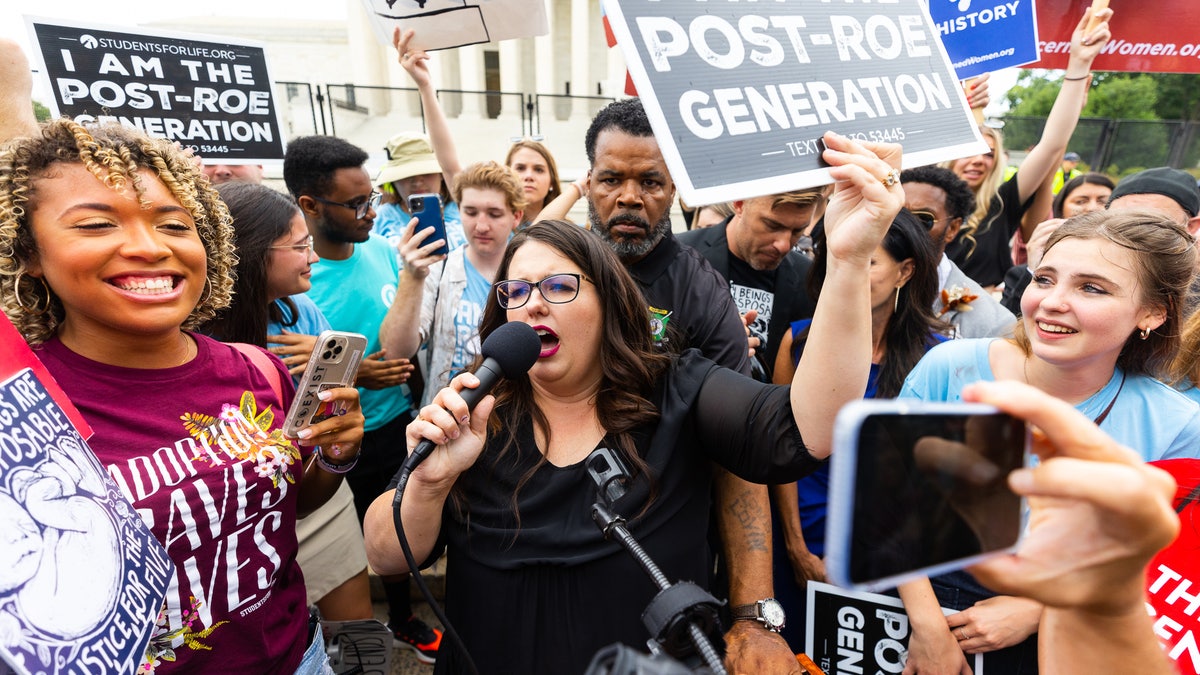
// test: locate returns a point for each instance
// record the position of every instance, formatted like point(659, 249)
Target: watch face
point(772, 613)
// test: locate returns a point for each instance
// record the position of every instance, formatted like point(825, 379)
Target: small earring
point(1144, 333)
point(896, 303)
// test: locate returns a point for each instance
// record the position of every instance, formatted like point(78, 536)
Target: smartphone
point(427, 209)
point(334, 363)
point(920, 489)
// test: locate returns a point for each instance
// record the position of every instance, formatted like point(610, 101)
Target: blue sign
point(982, 36)
point(82, 580)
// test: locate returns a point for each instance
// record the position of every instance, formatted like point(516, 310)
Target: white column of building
point(581, 28)
point(470, 68)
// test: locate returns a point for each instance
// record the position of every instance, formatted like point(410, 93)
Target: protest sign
point(982, 36)
point(442, 24)
point(858, 632)
point(15, 356)
point(83, 580)
point(1157, 37)
point(1173, 577)
point(211, 94)
point(739, 95)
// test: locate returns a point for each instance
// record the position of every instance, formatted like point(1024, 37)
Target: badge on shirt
point(659, 318)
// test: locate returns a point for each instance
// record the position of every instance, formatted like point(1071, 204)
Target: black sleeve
point(1014, 210)
point(748, 428)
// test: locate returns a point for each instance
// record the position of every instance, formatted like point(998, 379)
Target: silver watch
point(768, 612)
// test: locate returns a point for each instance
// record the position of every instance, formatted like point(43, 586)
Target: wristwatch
point(768, 612)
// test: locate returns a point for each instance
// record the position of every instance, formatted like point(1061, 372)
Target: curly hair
point(1164, 260)
point(551, 166)
point(491, 176)
point(959, 200)
point(625, 115)
point(114, 155)
point(630, 363)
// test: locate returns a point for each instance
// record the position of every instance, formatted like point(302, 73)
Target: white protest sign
point(442, 24)
point(739, 94)
point(211, 94)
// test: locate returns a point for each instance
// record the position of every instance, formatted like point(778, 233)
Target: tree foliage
point(41, 112)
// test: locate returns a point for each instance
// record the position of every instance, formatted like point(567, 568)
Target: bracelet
point(334, 468)
point(1076, 79)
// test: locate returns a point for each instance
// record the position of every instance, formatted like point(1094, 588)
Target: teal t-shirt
point(354, 295)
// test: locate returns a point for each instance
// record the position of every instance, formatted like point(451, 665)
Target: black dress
point(542, 595)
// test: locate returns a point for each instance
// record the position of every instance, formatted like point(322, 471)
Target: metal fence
point(309, 109)
point(1115, 146)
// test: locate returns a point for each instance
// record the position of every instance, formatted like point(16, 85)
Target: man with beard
point(629, 193)
point(753, 250)
point(353, 285)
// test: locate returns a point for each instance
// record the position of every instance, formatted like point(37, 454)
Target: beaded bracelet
point(334, 468)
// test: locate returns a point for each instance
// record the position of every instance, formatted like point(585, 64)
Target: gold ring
point(891, 179)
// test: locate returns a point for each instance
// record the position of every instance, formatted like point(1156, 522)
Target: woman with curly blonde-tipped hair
point(112, 248)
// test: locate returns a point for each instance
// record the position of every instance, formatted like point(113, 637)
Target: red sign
point(1148, 37)
point(15, 356)
point(1173, 577)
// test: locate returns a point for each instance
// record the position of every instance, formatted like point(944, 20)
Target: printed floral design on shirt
point(159, 648)
point(244, 433)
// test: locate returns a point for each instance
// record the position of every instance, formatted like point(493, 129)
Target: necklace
point(188, 355)
point(1107, 409)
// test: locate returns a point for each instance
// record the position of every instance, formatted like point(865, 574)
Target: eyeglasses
point(302, 248)
point(556, 289)
point(927, 219)
point(360, 209)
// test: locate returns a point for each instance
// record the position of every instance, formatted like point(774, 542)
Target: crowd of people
point(711, 362)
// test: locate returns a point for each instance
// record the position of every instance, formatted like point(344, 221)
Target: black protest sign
point(857, 632)
point(739, 93)
point(212, 96)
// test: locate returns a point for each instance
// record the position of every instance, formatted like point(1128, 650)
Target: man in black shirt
point(629, 194)
point(754, 251)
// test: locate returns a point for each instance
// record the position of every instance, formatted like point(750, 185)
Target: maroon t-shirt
point(198, 451)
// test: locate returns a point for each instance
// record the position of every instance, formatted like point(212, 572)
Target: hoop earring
point(1144, 333)
point(17, 292)
point(207, 293)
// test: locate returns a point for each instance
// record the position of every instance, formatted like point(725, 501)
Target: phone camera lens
point(337, 349)
point(327, 355)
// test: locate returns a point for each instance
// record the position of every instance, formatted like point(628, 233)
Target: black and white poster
point(740, 93)
point(211, 94)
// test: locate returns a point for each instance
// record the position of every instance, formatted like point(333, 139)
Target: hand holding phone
point(333, 364)
point(918, 489)
point(427, 209)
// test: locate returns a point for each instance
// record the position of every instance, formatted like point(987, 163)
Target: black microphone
point(510, 351)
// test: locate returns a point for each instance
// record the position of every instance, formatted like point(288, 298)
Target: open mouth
point(148, 286)
point(549, 340)
point(1055, 328)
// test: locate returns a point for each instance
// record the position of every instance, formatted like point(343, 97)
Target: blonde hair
point(491, 176)
point(989, 188)
point(114, 155)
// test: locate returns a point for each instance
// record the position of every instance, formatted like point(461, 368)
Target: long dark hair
point(630, 364)
point(260, 217)
point(911, 329)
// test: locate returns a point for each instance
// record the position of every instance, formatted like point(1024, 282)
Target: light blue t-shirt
point(390, 221)
point(1148, 416)
point(308, 321)
point(468, 316)
point(354, 295)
